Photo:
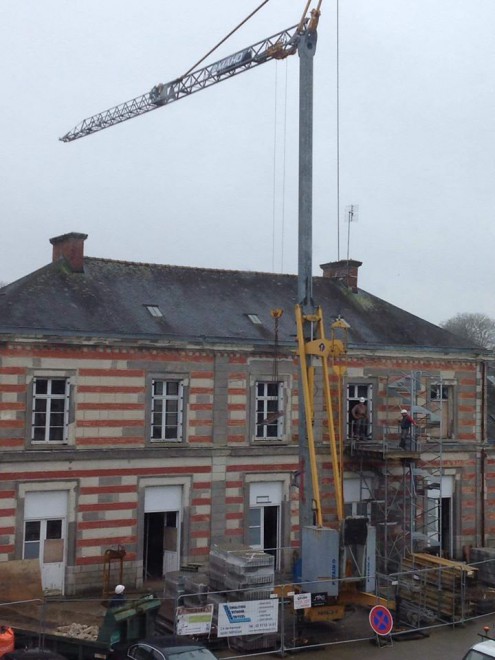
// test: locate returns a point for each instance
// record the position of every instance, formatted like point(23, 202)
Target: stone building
point(155, 408)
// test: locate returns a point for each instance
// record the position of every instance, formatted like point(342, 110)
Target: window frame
point(445, 397)
point(358, 496)
point(266, 398)
point(181, 408)
point(49, 397)
point(354, 389)
point(38, 545)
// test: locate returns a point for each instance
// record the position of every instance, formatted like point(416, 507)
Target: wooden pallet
point(441, 585)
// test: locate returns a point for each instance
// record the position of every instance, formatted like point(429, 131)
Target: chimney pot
point(345, 270)
point(71, 248)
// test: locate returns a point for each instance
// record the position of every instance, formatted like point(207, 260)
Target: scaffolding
point(404, 486)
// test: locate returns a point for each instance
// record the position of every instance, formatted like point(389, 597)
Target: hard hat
point(362, 399)
point(119, 589)
point(403, 412)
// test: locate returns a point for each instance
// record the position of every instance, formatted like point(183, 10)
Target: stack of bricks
point(239, 573)
point(182, 589)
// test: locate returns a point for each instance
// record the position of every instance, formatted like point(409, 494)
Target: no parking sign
point(381, 620)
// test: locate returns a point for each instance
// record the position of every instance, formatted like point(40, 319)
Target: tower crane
point(301, 39)
point(277, 47)
point(312, 343)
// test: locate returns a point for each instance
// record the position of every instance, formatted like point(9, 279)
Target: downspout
point(483, 452)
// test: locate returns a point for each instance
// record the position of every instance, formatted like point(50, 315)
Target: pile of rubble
point(78, 631)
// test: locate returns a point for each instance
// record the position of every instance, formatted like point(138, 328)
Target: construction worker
point(406, 422)
point(119, 598)
point(359, 414)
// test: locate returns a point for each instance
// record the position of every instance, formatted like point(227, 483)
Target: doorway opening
point(160, 544)
point(446, 529)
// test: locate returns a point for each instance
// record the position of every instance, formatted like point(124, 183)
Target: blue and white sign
point(248, 617)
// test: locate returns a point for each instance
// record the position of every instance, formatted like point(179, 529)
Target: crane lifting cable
point(222, 41)
point(300, 27)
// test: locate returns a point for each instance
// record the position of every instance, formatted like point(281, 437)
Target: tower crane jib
point(276, 47)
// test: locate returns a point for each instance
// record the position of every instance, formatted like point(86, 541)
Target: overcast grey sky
point(212, 179)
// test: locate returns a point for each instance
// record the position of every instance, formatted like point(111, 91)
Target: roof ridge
point(190, 268)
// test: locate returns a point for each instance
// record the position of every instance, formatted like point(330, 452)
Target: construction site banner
point(248, 617)
point(194, 620)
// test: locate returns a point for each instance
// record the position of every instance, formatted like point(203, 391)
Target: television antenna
point(352, 215)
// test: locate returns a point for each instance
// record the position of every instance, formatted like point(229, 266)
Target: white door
point(45, 524)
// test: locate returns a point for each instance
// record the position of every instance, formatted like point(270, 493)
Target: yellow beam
point(322, 348)
point(309, 414)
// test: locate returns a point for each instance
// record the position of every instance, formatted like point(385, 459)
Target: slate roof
point(109, 299)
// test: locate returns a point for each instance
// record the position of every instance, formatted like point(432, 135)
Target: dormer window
point(154, 310)
point(254, 318)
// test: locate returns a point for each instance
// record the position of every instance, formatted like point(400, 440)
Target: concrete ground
point(437, 643)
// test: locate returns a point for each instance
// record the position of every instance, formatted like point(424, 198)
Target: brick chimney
point(345, 270)
point(71, 248)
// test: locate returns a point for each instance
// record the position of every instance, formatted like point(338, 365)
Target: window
point(154, 310)
point(269, 410)
point(357, 497)
point(32, 537)
point(254, 528)
point(141, 653)
point(439, 392)
point(50, 415)
point(167, 402)
point(355, 392)
point(474, 654)
point(441, 410)
point(36, 532)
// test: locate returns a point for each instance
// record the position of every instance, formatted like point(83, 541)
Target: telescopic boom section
point(278, 46)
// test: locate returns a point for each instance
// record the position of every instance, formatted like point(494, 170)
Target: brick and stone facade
point(220, 472)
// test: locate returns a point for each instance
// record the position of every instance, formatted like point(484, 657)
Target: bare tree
point(479, 329)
